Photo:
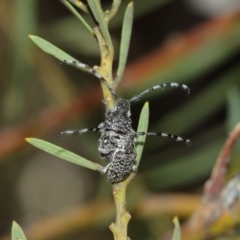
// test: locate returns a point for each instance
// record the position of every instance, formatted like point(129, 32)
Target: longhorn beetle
point(117, 141)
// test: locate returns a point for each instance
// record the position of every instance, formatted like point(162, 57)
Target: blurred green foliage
point(209, 65)
point(17, 232)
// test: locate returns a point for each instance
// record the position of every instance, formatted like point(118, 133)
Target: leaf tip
point(175, 220)
point(28, 140)
point(14, 223)
point(146, 105)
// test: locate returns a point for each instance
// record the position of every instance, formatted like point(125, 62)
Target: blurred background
point(196, 42)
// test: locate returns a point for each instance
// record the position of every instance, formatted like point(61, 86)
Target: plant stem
point(119, 228)
point(105, 69)
point(114, 9)
point(215, 184)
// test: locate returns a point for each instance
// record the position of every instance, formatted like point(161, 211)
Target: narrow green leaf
point(142, 127)
point(79, 4)
point(125, 41)
point(233, 102)
point(50, 48)
point(114, 10)
point(141, 9)
point(177, 230)
point(77, 14)
point(233, 113)
point(98, 15)
point(54, 51)
point(17, 232)
point(63, 154)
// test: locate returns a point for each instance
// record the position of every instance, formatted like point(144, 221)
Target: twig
point(210, 218)
point(215, 184)
point(110, 14)
point(119, 228)
point(105, 68)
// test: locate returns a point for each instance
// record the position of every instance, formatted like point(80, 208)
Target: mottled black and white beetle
point(117, 141)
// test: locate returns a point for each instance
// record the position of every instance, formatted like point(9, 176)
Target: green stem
point(119, 228)
point(110, 14)
point(105, 69)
